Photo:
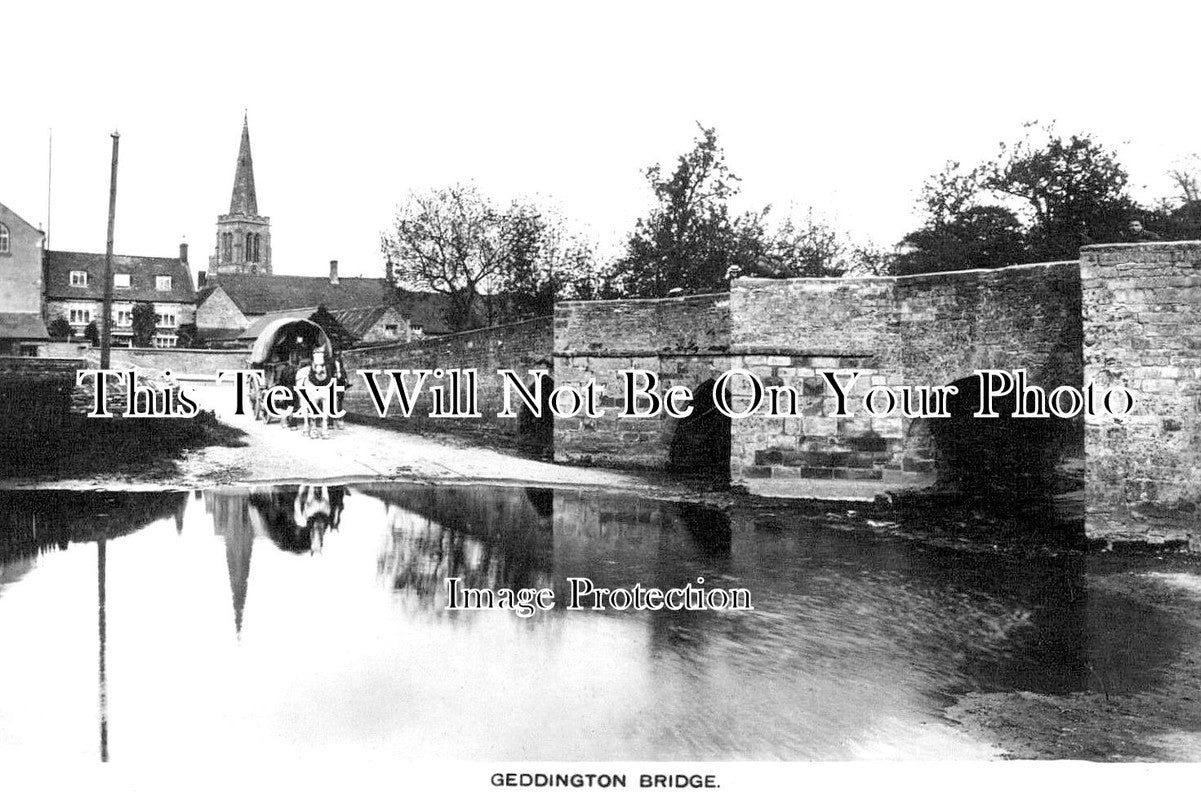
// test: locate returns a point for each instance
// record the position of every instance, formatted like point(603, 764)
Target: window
point(162, 283)
point(227, 246)
point(80, 316)
point(29, 349)
point(121, 280)
point(163, 320)
point(391, 329)
point(79, 277)
point(124, 317)
point(257, 241)
point(164, 341)
point(4, 240)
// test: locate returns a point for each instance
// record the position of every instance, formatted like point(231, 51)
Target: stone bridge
point(1121, 316)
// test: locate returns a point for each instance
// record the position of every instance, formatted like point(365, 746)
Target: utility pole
point(106, 322)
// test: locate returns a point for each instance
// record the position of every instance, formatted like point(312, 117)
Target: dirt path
point(271, 453)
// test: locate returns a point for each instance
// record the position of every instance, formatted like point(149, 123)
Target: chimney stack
point(333, 272)
point(183, 252)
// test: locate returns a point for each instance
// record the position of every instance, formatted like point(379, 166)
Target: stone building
point(22, 330)
point(243, 237)
point(75, 292)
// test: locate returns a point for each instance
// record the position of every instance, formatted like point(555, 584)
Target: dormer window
point(162, 283)
point(79, 277)
point(121, 280)
point(4, 238)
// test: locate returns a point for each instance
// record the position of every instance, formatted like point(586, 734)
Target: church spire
point(243, 200)
point(243, 237)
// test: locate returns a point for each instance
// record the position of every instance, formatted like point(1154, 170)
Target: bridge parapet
point(1142, 330)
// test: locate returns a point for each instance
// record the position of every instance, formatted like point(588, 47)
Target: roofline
point(115, 255)
point(18, 216)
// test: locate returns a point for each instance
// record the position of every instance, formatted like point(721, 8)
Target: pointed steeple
point(243, 200)
point(243, 237)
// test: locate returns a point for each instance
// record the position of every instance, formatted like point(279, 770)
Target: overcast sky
point(840, 106)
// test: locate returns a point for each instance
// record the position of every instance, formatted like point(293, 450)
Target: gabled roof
point(19, 218)
point(356, 321)
point(262, 294)
point(15, 325)
point(142, 271)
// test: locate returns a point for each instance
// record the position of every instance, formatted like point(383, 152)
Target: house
point(22, 330)
point(75, 292)
point(229, 304)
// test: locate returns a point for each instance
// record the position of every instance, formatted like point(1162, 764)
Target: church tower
point(243, 237)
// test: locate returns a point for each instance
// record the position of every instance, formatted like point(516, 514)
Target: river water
point(311, 621)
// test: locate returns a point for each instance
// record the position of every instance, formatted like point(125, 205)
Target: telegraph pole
point(106, 322)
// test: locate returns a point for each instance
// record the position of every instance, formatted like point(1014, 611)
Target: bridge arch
point(700, 442)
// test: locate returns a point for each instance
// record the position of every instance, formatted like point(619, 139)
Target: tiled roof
point(357, 321)
point(15, 325)
point(142, 271)
point(262, 294)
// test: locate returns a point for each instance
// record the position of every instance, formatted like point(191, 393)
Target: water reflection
point(341, 639)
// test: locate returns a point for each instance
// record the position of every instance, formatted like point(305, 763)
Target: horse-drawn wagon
point(279, 350)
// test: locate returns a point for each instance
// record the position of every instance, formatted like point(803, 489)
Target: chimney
point(183, 252)
point(201, 278)
point(333, 272)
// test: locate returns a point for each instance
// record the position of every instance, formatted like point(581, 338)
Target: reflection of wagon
point(281, 346)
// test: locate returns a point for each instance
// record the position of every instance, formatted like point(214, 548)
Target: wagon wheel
point(255, 392)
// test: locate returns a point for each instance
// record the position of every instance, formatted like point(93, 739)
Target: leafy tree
point(92, 333)
point(335, 330)
point(188, 335)
point(496, 264)
point(976, 237)
point(1072, 188)
point(690, 239)
point(145, 322)
point(549, 263)
point(59, 329)
point(453, 241)
point(1040, 199)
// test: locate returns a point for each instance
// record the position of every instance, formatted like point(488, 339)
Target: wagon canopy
point(284, 335)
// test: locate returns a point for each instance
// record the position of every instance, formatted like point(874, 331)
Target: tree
point(92, 333)
point(1072, 188)
point(977, 237)
point(1040, 199)
point(690, 240)
point(145, 322)
point(60, 330)
point(453, 241)
point(335, 330)
point(813, 248)
point(549, 263)
point(188, 335)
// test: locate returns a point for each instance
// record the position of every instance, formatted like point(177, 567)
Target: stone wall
point(180, 362)
point(685, 340)
point(520, 346)
point(1142, 330)
point(914, 330)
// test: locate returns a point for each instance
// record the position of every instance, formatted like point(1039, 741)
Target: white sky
point(846, 107)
